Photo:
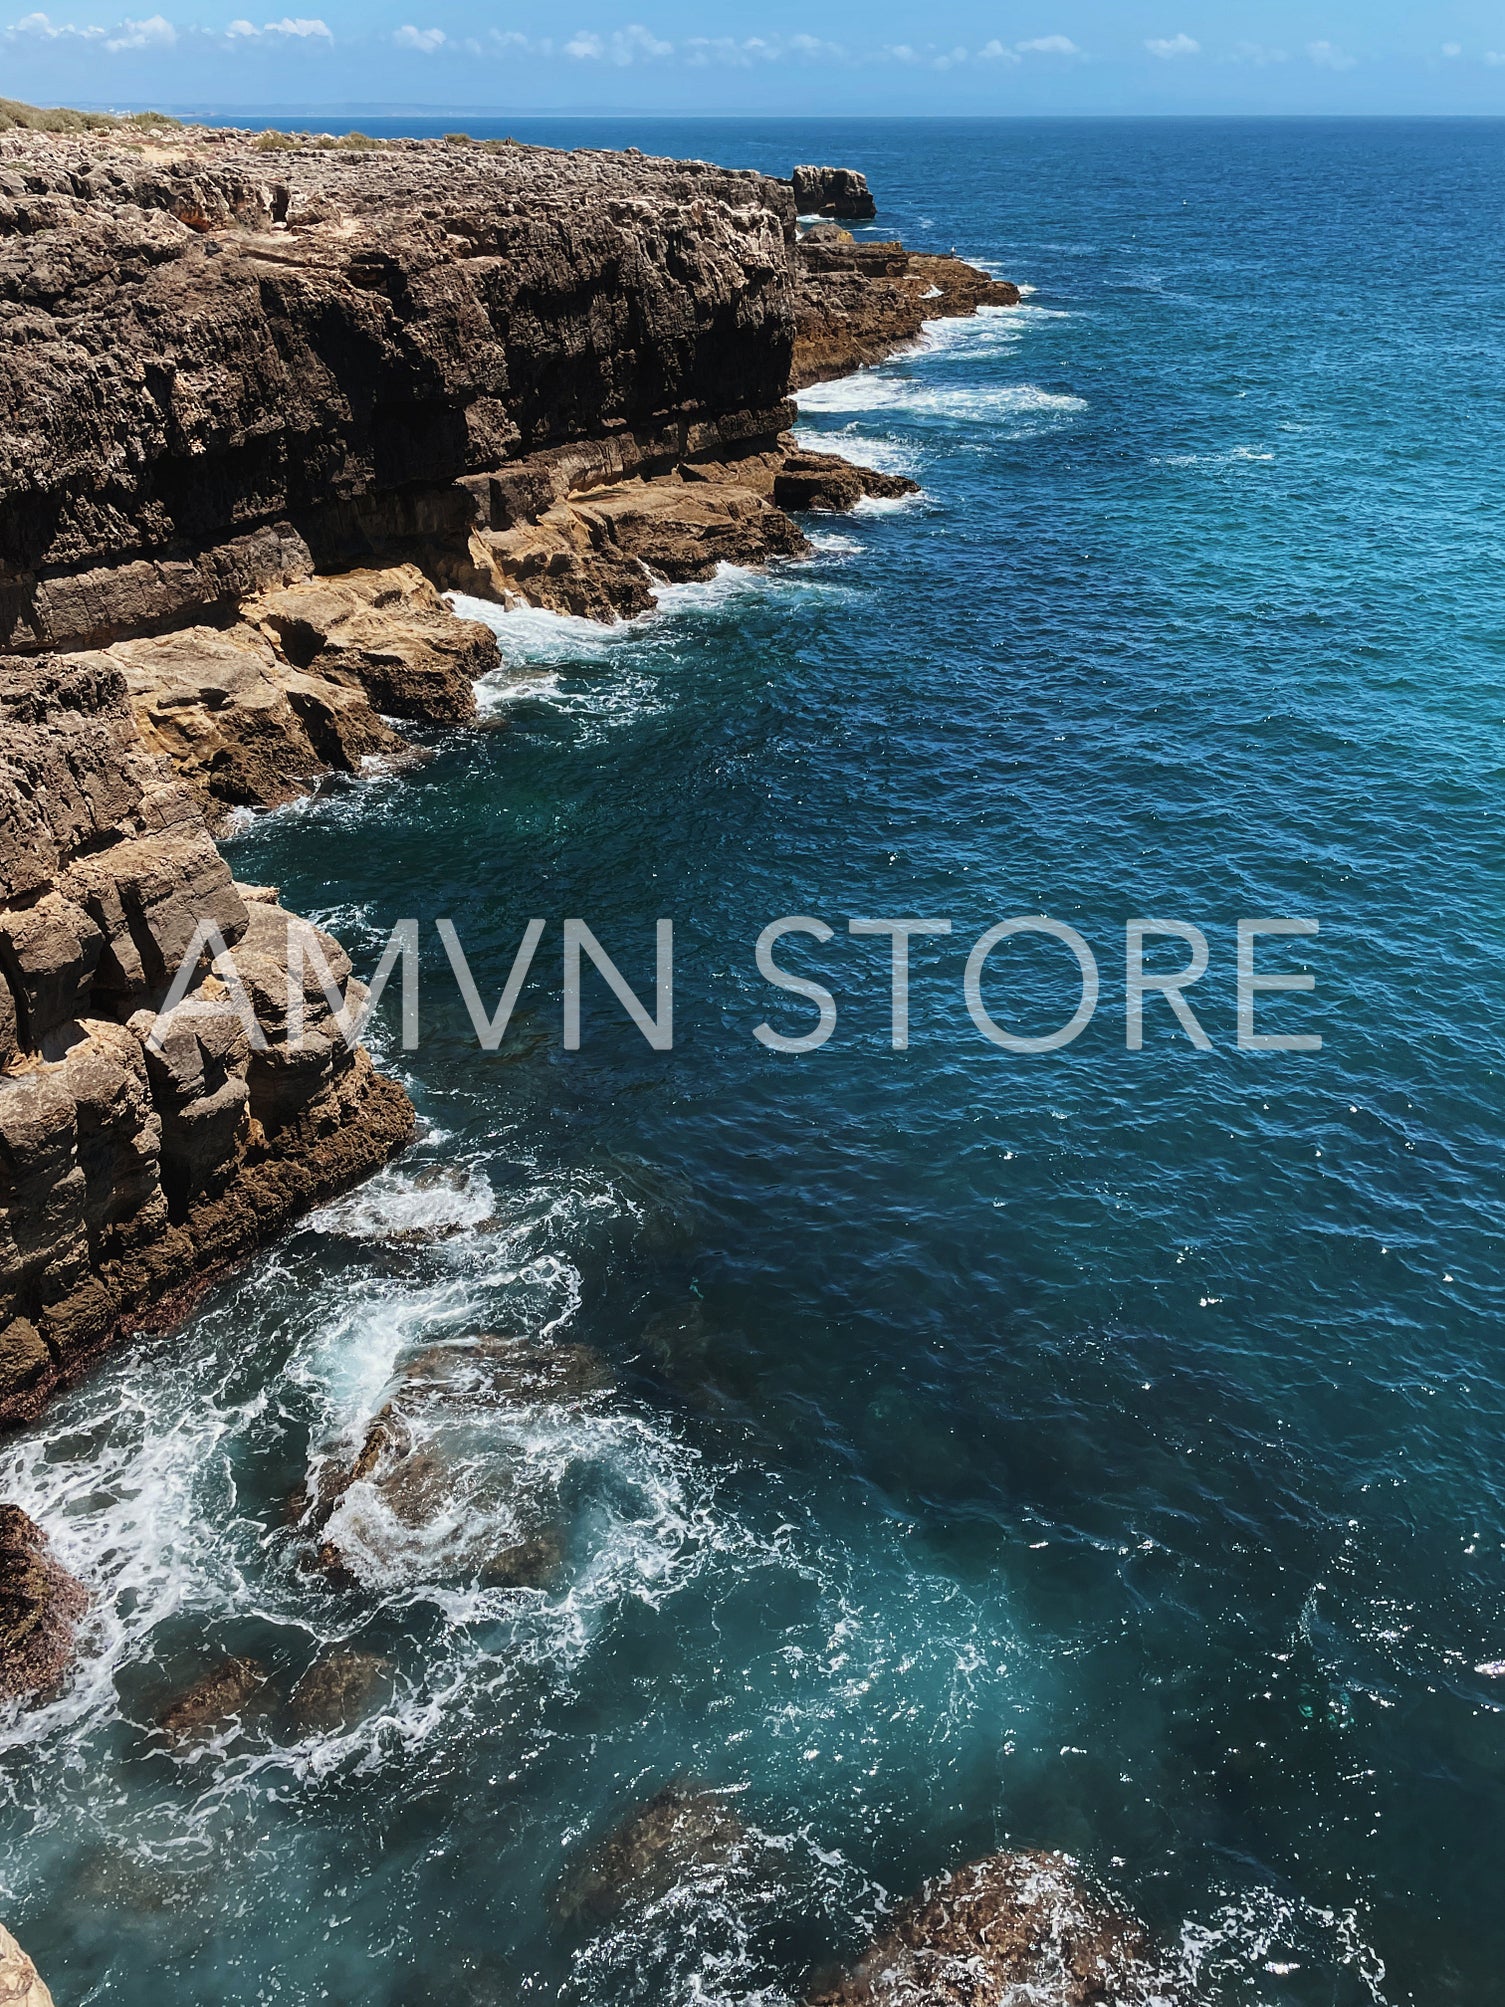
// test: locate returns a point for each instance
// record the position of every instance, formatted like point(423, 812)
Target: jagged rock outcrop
point(40, 1604)
point(833, 191)
point(226, 368)
point(856, 303)
point(140, 1152)
point(230, 369)
point(1011, 1928)
point(254, 713)
point(20, 1984)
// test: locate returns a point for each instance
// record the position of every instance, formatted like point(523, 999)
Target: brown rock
point(433, 1487)
point(242, 726)
point(386, 633)
point(339, 1688)
point(824, 481)
point(219, 1696)
point(833, 191)
point(682, 1829)
point(137, 1160)
point(40, 1604)
point(227, 368)
point(1014, 1927)
point(856, 303)
point(20, 1985)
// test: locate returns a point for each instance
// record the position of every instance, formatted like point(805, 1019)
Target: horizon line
point(378, 108)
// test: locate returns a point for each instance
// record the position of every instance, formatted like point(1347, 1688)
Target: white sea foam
point(580, 667)
point(888, 455)
point(980, 404)
point(889, 505)
point(399, 1202)
point(1234, 456)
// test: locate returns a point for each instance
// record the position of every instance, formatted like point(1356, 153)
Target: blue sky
point(919, 56)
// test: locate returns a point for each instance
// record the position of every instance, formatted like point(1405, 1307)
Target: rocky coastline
point(265, 403)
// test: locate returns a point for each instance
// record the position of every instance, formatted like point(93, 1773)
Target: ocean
point(1091, 1449)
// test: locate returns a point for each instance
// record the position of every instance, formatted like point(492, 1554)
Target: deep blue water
point(1097, 1449)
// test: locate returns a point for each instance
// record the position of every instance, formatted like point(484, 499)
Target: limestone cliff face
point(138, 1152)
point(260, 402)
point(225, 366)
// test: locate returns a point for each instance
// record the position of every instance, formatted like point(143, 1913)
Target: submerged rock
point(40, 1604)
point(1011, 1930)
point(218, 1697)
point(339, 1689)
point(20, 1984)
point(440, 1487)
point(684, 1829)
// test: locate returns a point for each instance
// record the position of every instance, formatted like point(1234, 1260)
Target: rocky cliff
point(261, 401)
point(141, 1149)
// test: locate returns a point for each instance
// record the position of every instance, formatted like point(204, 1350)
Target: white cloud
point(510, 43)
point(623, 46)
point(1496, 57)
point(1256, 52)
point(813, 47)
point(1048, 45)
point(995, 52)
point(299, 30)
point(1168, 47)
point(928, 58)
point(1328, 56)
point(38, 28)
point(703, 50)
point(152, 33)
point(424, 40)
point(1452, 48)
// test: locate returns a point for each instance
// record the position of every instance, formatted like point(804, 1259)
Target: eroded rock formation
point(141, 1152)
point(304, 682)
point(1011, 1928)
point(261, 402)
point(833, 191)
point(432, 1491)
point(40, 1604)
point(855, 303)
point(20, 1984)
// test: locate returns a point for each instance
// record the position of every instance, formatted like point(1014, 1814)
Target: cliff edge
point(264, 400)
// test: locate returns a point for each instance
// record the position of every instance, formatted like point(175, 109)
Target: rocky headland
point(264, 400)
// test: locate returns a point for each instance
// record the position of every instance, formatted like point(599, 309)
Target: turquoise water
point(1096, 1449)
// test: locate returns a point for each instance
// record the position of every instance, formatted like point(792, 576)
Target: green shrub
point(58, 118)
